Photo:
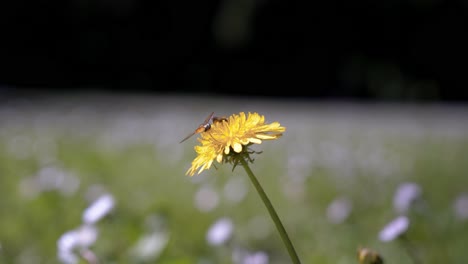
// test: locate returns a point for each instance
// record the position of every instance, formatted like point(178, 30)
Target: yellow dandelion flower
point(230, 136)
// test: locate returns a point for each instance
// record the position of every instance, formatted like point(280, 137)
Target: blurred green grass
point(128, 146)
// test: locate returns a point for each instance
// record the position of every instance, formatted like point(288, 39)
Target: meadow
point(333, 178)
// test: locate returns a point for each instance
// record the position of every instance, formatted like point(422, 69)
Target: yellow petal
point(245, 141)
point(219, 158)
point(237, 147)
point(255, 140)
point(271, 136)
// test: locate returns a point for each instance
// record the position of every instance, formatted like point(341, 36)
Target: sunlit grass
point(130, 149)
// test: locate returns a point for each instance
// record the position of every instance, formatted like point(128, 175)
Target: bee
point(205, 126)
point(369, 256)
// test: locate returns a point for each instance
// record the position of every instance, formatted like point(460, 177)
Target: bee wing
point(200, 128)
point(187, 137)
point(208, 119)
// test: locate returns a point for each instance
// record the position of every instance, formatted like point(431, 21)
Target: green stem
point(273, 214)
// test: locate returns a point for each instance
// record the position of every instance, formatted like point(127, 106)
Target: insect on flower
point(205, 126)
point(228, 139)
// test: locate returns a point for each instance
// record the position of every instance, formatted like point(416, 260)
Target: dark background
point(371, 50)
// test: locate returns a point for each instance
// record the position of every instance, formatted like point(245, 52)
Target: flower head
point(231, 136)
point(394, 229)
point(408, 196)
point(220, 232)
point(369, 256)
